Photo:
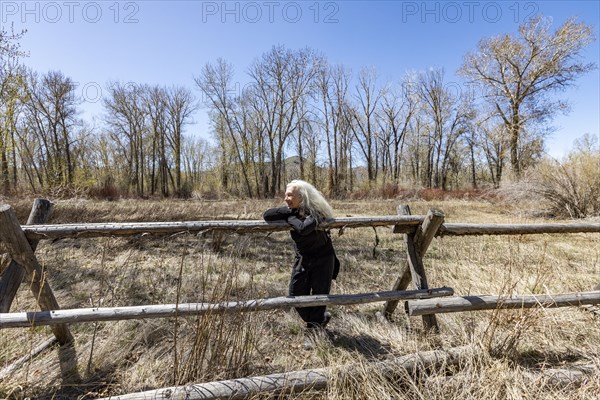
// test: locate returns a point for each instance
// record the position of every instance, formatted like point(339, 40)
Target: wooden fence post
point(13, 276)
point(20, 251)
point(417, 244)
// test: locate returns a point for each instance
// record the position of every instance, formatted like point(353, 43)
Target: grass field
point(512, 347)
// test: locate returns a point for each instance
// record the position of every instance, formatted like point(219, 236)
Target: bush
point(186, 191)
point(569, 188)
point(106, 191)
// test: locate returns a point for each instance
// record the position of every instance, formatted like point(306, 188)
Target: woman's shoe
point(326, 319)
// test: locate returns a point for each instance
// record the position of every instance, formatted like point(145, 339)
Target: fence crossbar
point(455, 229)
point(37, 318)
point(492, 302)
point(59, 231)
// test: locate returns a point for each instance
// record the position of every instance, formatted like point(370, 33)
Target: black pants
point(312, 276)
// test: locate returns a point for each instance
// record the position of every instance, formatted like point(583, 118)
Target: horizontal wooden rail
point(27, 319)
point(58, 231)
point(515, 229)
point(477, 303)
point(402, 224)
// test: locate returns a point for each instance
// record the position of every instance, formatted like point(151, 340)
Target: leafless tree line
point(296, 102)
point(293, 115)
point(145, 126)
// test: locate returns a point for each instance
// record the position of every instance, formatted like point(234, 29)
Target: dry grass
point(130, 356)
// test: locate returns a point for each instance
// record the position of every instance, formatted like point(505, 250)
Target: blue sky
point(168, 42)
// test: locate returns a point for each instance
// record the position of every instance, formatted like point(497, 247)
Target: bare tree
point(281, 78)
point(471, 142)
point(12, 95)
point(216, 82)
point(517, 74)
point(448, 116)
point(52, 109)
point(398, 106)
point(155, 103)
point(196, 158)
point(494, 142)
point(31, 155)
point(368, 97)
point(332, 91)
point(12, 98)
point(127, 121)
point(180, 107)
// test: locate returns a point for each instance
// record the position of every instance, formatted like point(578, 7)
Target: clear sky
point(168, 42)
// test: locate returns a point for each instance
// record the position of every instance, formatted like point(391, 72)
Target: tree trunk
point(515, 131)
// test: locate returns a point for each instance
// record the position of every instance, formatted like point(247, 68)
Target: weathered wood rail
point(27, 319)
point(61, 231)
point(401, 223)
point(478, 303)
point(516, 229)
point(14, 274)
point(21, 251)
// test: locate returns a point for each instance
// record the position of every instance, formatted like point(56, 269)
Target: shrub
point(106, 191)
point(569, 188)
point(186, 191)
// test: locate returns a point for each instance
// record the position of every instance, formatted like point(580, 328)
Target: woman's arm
point(303, 226)
point(278, 214)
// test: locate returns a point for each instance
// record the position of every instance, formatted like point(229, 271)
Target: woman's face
point(292, 197)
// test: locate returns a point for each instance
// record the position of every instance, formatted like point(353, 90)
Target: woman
point(315, 264)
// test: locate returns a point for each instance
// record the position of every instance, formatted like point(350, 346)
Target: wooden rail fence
point(39, 318)
point(20, 241)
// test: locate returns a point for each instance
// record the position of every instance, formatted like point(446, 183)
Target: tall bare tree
point(155, 103)
point(196, 158)
point(448, 116)
point(12, 95)
point(398, 106)
point(12, 98)
point(216, 82)
point(281, 78)
point(519, 73)
point(53, 110)
point(127, 121)
point(368, 96)
point(494, 143)
point(180, 107)
point(332, 91)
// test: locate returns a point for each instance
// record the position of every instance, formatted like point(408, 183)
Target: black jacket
point(308, 240)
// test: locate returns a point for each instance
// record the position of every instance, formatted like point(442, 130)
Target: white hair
point(312, 201)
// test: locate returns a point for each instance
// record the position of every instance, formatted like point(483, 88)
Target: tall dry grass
point(126, 356)
point(567, 188)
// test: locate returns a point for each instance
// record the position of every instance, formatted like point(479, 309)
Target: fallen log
point(28, 319)
point(561, 377)
point(6, 371)
point(297, 381)
point(571, 377)
point(477, 303)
